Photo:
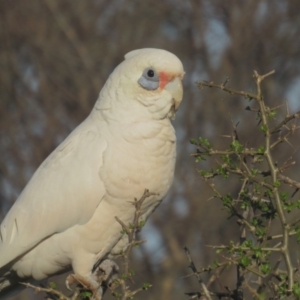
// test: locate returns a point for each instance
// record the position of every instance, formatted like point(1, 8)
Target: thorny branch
point(196, 273)
point(52, 291)
point(131, 231)
point(259, 202)
point(273, 169)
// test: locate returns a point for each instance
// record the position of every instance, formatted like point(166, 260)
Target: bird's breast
point(139, 157)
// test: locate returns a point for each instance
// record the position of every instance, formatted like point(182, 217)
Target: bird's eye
point(149, 79)
point(150, 73)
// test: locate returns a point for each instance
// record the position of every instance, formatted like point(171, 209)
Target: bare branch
point(196, 273)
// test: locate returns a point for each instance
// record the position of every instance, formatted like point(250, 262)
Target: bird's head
point(147, 84)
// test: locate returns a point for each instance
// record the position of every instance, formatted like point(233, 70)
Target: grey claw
point(110, 270)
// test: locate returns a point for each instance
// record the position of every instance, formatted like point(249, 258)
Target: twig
point(289, 181)
point(273, 169)
point(285, 121)
point(259, 184)
point(229, 90)
point(267, 249)
point(197, 275)
point(39, 289)
point(131, 231)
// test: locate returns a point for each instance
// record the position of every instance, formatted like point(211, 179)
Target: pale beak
point(174, 87)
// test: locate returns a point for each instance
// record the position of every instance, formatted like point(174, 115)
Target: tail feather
point(9, 285)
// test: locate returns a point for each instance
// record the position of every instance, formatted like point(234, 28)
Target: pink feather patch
point(164, 79)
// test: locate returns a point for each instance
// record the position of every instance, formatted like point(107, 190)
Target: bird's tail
point(9, 284)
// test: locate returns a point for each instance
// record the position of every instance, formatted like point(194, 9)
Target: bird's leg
point(89, 283)
point(101, 278)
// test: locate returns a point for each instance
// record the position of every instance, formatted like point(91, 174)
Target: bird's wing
point(64, 191)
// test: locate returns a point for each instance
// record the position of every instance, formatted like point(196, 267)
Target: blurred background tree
point(56, 55)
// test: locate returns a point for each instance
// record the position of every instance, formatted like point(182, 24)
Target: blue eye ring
point(149, 79)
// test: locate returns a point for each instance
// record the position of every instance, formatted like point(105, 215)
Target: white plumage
point(65, 216)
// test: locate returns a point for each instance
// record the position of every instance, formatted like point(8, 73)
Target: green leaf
point(283, 196)
point(269, 193)
point(276, 184)
point(227, 201)
point(226, 159)
point(222, 171)
point(282, 290)
point(245, 204)
point(206, 174)
point(261, 150)
point(248, 243)
point(262, 296)
point(298, 236)
point(194, 142)
point(254, 172)
point(244, 261)
point(204, 143)
point(131, 272)
point(264, 128)
point(146, 286)
point(216, 263)
point(52, 285)
point(236, 146)
point(296, 290)
point(272, 114)
point(117, 294)
point(86, 294)
point(258, 254)
point(200, 158)
point(142, 223)
point(260, 232)
point(265, 268)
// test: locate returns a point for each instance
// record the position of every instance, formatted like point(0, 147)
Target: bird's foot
point(107, 271)
point(98, 282)
point(89, 283)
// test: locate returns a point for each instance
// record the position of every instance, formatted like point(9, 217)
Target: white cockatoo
point(65, 216)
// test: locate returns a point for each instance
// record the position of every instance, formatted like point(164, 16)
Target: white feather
point(66, 214)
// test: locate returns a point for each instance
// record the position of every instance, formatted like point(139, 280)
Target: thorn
point(225, 82)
